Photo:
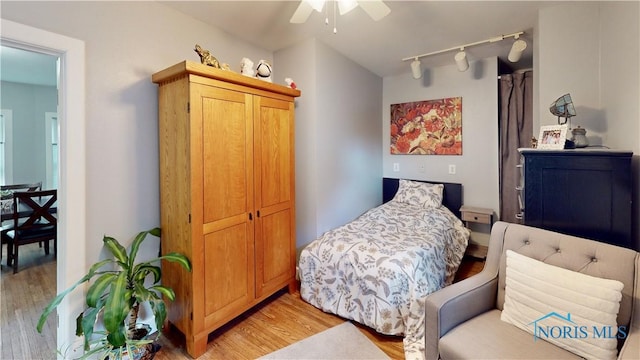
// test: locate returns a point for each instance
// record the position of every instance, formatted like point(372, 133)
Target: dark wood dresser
point(580, 192)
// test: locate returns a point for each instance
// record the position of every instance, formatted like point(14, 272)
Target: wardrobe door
point(275, 199)
point(227, 201)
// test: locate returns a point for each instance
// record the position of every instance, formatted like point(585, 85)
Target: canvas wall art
point(429, 127)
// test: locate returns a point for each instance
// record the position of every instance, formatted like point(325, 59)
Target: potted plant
point(115, 296)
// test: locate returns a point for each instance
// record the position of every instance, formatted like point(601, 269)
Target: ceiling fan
point(375, 8)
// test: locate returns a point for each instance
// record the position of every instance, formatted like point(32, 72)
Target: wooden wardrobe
point(227, 193)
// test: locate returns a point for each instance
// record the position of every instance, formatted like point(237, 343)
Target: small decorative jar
point(579, 137)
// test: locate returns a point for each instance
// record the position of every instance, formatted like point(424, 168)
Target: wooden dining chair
point(6, 206)
point(33, 221)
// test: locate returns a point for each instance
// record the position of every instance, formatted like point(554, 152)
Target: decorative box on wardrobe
point(227, 193)
point(581, 192)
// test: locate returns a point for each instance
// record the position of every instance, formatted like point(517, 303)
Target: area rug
point(343, 341)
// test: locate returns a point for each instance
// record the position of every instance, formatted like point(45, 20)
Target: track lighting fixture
point(462, 62)
point(517, 49)
point(416, 68)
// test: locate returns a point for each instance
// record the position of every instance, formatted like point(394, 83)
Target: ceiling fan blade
point(302, 13)
point(346, 5)
point(375, 8)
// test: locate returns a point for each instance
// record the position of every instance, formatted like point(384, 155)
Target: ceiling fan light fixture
point(317, 5)
point(461, 60)
point(346, 5)
point(376, 9)
point(416, 69)
point(516, 51)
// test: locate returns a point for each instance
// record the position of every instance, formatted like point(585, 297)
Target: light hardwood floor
point(279, 321)
point(22, 298)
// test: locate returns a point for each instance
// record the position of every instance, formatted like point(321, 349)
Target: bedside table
point(476, 215)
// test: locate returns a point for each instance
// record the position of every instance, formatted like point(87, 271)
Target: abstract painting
point(429, 127)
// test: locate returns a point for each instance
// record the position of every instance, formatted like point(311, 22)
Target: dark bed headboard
point(451, 197)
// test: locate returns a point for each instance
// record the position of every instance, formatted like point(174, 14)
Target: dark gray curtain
point(516, 130)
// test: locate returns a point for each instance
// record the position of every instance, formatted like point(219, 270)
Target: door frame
point(72, 177)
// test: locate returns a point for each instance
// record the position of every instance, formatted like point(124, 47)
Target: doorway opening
point(72, 179)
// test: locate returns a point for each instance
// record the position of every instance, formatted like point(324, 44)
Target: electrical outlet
point(452, 169)
point(396, 167)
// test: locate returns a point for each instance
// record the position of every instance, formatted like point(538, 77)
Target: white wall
point(338, 137)
point(477, 167)
point(569, 63)
point(348, 139)
point(620, 68)
point(298, 62)
point(593, 54)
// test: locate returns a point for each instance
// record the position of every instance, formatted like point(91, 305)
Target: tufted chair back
point(585, 256)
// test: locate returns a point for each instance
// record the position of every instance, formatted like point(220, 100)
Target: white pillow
point(419, 193)
point(562, 306)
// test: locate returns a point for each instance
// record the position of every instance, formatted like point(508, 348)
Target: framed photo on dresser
point(552, 137)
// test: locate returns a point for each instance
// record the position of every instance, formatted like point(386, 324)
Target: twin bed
point(377, 269)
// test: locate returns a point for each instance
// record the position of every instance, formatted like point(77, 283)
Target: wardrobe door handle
point(250, 216)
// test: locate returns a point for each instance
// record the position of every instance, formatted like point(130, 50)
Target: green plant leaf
point(118, 337)
point(118, 251)
point(143, 270)
point(79, 331)
point(159, 312)
point(143, 294)
point(136, 245)
point(155, 231)
point(116, 307)
point(179, 258)
point(98, 288)
point(87, 323)
point(167, 292)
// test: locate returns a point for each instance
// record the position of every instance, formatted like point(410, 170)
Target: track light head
point(517, 49)
point(461, 60)
point(416, 68)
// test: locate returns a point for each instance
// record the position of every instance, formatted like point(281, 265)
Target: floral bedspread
point(377, 269)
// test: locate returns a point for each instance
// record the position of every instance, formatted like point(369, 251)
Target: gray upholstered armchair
point(464, 320)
